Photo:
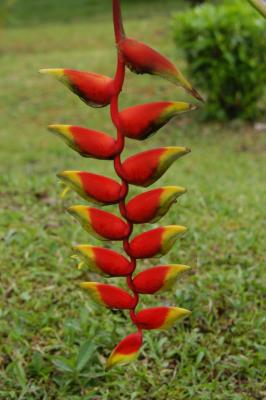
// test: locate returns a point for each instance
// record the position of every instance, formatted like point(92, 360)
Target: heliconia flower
point(91, 187)
point(109, 296)
point(160, 317)
point(104, 261)
point(158, 278)
point(141, 121)
point(155, 242)
point(143, 169)
point(153, 205)
point(101, 224)
point(142, 59)
point(87, 142)
point(126, 351)
point(94, 89)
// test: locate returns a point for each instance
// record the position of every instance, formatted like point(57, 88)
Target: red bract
point(153, 205)
point(139, 122)
point(93, 188)
point(160, 317)
point(101, 224)
point(104, 261)
point(126, 351)
point(87, 142)
point(143, 169)
point(109, 296)
point(158, 278)
point(156, 242)
point(94, 89)
point(142, 59)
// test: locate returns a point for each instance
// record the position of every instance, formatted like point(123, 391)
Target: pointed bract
point(101, 224)
point(160, 317)
point(153, 205)
point(92, 187)
point(142, 59)
point(109, 296)
point(141, 121)
point(87, 142)
point(94, 89)
point(143, 169)
point(104, 261)
point(156, 242)
point(158, 278)
point(126, 351)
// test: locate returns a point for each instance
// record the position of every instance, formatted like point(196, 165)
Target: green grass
point(54, 341)
point(34, 12)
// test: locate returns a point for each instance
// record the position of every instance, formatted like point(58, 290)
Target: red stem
point(115, 115)
point(118, 24)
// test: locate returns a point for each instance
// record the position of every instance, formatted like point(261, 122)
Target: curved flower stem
point(115, 115)
point(118, 24)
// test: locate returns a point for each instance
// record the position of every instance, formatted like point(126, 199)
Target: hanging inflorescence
point(143, 169)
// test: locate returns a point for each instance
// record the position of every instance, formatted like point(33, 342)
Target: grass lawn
point(36, 12)
point(53, 340)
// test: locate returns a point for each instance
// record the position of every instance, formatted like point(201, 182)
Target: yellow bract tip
point(118, 359)
point(93, 291)
point(174, 190)
point(72, 180)
point(179, 106)
point(57, 72)
point(178, 313)
point(68, 174)
point(86, 253)
point(181, 267)
point(172, 229)
point(170, 236)
point(172, 153)
point(84, 248)
point(175, 314)
point(177, 150)
point(64, 132)
point(64, 129)
point(173, 273)
point(82, 213)
point(80, 210)
point(88, 285)
point(175, 108)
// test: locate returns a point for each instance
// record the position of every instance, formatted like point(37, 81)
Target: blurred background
point(53, 340)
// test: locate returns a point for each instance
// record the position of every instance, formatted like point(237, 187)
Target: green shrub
point(225, 47)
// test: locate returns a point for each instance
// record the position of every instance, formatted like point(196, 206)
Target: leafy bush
point(225, 47)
